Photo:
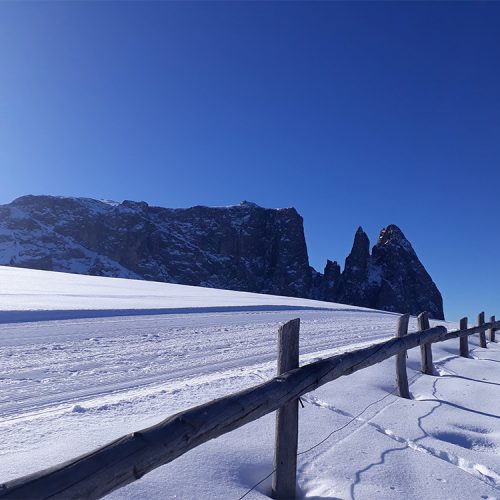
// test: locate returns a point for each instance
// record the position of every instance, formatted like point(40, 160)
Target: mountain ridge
point(240, 247)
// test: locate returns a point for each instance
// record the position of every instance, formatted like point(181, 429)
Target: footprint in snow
point(476, 443)
point(473, 428)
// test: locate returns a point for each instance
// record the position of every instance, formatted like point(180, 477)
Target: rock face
point(392, 278)
point(356, 282)
point(243, 247)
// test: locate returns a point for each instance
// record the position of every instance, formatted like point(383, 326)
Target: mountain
point(242, 247)
point(391, 278)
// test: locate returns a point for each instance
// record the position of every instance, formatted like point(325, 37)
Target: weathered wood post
point(401, 375)
point(425, 349)
point(464, 341)
point(287, 418)
point(482, 335)
point(492, 330)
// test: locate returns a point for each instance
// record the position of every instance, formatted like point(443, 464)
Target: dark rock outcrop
point(392, 278)
point(331, 281)
point(355, 287)
point(243, 247)
point(405, 285)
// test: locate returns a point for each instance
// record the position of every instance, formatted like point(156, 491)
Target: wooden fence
point(128, 458)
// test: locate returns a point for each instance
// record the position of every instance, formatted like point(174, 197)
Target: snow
point(110, 202)
point(49, 293)
point(375, 273)
point(87, 359)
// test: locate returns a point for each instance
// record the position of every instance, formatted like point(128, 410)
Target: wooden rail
point(128, 458)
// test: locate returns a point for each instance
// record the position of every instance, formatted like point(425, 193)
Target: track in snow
point(51, 364)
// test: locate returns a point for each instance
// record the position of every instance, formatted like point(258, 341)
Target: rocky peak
point(135, 205)
point(392, 278)
point(332, 269)
point(331, 281)
point(248, 204)
point(392, 236)
point(240, 247)
point(355, 283)
point(406, 286)
point(357, 260)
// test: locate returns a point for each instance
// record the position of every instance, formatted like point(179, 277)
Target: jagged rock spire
point(406, 285)
point(353, 288)
point(392, 278)
point(332, 269)
point(236, 247)
point(360, 252)
point(392, 236)
point(331, 279)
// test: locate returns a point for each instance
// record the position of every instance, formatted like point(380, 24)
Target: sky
point(354, 113)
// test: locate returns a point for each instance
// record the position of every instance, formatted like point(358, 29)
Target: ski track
point(95, 369)
point(48, 365)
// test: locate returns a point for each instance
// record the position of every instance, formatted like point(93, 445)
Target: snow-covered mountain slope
point(69, 385)
point(243, 247)
point(27, 294)
point(390, 278)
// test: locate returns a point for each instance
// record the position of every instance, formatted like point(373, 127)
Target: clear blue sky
point(354, 113)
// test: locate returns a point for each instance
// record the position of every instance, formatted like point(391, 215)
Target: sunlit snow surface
point(87, 359)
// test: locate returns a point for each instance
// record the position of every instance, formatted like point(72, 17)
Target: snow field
point(70, 385)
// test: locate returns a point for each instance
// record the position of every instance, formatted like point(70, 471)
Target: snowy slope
point(29, 290)
point(130, 353)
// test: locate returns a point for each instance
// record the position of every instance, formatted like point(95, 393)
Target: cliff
point(243, 247)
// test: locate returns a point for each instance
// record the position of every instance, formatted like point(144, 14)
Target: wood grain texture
point(284, 483)
point(464, 340)
point(454, 334)
point(425, 349)
point(128, 458)
point(492, 329)
point(482, 334)
point(401, 374)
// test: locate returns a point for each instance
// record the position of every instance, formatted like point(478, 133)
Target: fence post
point(401, 375)
point(492, 330)
point(284, 483)
point(425, 349)
point(482, 335)
point(464, 341)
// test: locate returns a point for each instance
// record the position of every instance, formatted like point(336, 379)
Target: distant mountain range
point(243, 247)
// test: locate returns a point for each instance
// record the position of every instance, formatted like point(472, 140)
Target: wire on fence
point(355, 417)
point(338, 429)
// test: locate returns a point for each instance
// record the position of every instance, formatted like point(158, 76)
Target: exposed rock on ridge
point(392, 278)
point(243, 247)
